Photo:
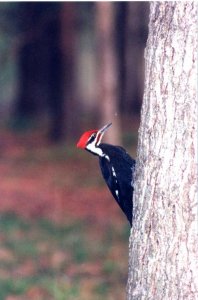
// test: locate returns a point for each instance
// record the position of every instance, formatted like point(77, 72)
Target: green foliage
point(69, 261)
point(12, 286)
point(9, 221)
point(102, 289)
point(62, 291)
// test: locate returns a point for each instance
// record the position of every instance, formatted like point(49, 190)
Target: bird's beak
point(101, 132)
point(104, 128)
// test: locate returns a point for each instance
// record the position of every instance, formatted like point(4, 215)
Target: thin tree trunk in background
point(108, 73)
point(121, 28)
point(55, 76)
point(40, 66)
point(136, 35)
point(32, 92)
point(163, 259)
point(68, 42)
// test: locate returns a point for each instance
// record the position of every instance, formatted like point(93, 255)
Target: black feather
point(123, 166)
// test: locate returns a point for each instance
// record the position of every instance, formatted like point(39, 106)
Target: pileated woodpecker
point(116, 165)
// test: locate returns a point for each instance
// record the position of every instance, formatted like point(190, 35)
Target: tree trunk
point(32, 63)
point(136, 35)
point(40, 66)
point(68, 45)
point(55, 75)
point(108, 77)
point(163, 258)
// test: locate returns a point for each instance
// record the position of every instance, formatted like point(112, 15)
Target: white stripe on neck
point(92, 148)
point(96, 150)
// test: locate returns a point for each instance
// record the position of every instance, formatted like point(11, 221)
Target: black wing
point(117, 172)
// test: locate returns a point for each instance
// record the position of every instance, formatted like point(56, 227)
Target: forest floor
point(62, 236)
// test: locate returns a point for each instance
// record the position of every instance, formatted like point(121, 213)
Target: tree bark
point(163, 254)
point(108, 77)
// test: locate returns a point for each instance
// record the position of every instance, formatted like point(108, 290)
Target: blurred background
point(65, 67)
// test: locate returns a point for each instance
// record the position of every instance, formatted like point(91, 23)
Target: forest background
point(66, 67)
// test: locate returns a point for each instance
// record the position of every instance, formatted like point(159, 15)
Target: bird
point(116, 165)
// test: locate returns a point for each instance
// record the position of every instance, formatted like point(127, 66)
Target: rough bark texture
point(163, 259)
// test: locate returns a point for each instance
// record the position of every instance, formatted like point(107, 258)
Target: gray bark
point(163, 254)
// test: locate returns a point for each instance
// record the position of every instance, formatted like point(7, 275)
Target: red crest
point(84, 138)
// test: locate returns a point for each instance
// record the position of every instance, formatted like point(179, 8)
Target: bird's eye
point(92, 137)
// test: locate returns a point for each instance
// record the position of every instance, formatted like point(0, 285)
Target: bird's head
point(90, 140)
